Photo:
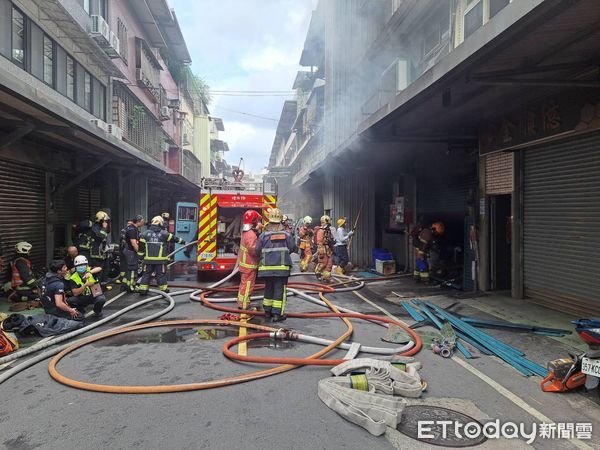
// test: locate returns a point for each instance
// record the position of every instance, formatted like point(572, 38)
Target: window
point(496, 6)
point(87, 91)
point(86, 6)
point(187, 213)
point(70, 78)
point(48, 61)
point(18, 37)
point(103, 8)
point(123, 43)
point(473, 18)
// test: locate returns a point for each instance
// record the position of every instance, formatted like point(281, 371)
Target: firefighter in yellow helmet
point(153, 246)
point(324, 240)
point(340, 250)
point(98, 237)
point(305, 233)
point(274, 247)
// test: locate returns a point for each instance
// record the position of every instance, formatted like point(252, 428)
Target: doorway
point(500, 242)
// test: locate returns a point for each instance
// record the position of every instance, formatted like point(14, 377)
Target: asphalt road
point(282, 411)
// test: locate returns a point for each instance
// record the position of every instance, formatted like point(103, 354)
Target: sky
point(246, 45)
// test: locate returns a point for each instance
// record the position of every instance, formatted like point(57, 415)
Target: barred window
point(123, 40)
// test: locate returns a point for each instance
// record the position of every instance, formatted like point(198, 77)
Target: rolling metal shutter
point(22, 211)
point(561, 214)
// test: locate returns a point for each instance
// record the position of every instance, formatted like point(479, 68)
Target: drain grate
point(414, 414)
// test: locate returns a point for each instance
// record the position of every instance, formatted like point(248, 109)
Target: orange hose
point(287, 363)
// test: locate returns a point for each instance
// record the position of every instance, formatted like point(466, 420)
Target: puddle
point(174, 335)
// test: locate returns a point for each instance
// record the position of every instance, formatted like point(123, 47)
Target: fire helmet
point(158, 220)
point(80, 261)
point(250, 219)
point(341, 221)
point(438, 227)
point(23, 247)
point(307, 220)
point(275, 216)
point(325, 220)
point(101, 215)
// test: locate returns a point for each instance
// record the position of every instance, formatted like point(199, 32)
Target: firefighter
point(340, 250)
point(275, 246)
point(324, 240)
point(122, 278)
point(99, 233)
point(23, 281)
point(424, 241)
point(130, 248)
point(305, 233)
point(83, 240)
point(80, 284)
point(153, 244)
point(248, 257)
point(287, 224)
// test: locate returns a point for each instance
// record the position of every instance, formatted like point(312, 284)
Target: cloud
point(268, 58)
point(251, 45)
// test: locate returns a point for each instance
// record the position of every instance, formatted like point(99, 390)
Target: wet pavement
point(282, 411)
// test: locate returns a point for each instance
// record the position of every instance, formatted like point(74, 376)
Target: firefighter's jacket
point(98, 241)
point(275, 249)
point(153, 244)
point(306, 236)
point(324, 239)
point(248, 256)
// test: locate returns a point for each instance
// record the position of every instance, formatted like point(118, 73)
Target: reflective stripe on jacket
point(98, 240)
point(248, 257)
point(17, 280)
point(152, 243)
point(275, 248)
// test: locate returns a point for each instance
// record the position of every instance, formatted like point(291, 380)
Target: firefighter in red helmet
point(248, 256)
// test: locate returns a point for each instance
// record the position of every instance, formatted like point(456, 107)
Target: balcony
point(147, 69)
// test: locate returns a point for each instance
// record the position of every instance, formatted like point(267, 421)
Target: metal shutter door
point(22, 211)
point(561, 213)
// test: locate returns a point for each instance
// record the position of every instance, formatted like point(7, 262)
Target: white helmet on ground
point(80, 260)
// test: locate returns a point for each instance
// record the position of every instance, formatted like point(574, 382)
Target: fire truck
point(216, 221)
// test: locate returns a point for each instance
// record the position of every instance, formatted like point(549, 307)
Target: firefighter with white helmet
point(23, 281)
point(305, 233)
point(275, 246)
point(82, 287)
point(324, 240)
point(153, 245)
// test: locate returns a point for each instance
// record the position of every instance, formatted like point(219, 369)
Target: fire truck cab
point(220, 210)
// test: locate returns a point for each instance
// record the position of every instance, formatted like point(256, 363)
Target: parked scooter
point(579, 370)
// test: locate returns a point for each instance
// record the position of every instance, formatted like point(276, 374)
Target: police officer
point(53, 292)
point(129, 251)
point(153, 245)
point(99, 233)
point(274, 247)
point(80, 285)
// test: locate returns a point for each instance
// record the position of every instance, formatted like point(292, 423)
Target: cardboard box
point(385, 267)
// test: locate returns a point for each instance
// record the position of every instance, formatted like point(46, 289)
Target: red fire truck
point(222, 204)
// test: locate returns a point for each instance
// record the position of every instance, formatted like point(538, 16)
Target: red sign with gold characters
point(550, 118)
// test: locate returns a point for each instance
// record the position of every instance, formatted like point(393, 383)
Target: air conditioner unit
point(174, 103)
point(115, 131)
point(114, 49)
point(100, 124)
point(100, 30)
point(166, 147)
point(186, 140)
point(165, 113)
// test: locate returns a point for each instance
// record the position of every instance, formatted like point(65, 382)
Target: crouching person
point(53, 292)
point(83, 287)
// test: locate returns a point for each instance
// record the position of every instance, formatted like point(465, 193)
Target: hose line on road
point(262, 332)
